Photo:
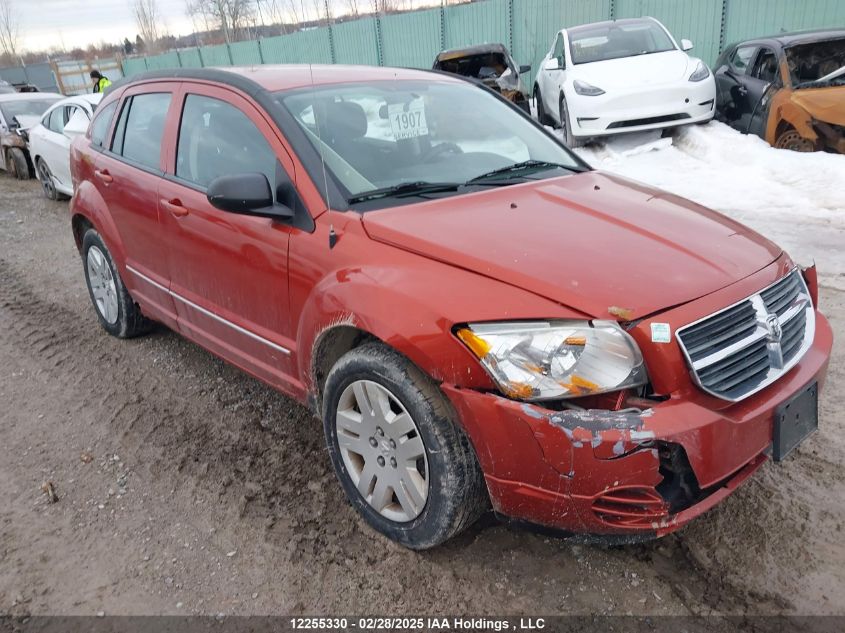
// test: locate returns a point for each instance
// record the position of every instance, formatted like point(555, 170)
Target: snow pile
point(795, 199)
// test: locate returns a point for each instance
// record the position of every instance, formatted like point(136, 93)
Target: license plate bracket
point(795, 421)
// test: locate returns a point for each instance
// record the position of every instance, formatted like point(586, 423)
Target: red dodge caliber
point(477, 316)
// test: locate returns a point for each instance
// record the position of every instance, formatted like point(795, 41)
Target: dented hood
point(590, 241)
point(823, 104)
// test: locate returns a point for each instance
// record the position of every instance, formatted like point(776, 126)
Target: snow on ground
point(795, 199)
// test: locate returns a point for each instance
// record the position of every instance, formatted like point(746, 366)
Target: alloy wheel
point(46, 180)
point(382, 450)
point(101, 280)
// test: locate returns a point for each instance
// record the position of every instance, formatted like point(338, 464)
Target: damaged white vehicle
point(621, 76)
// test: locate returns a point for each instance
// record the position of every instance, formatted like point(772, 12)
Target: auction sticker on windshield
point(407, 120)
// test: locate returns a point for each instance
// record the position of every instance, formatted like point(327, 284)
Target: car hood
point(634, 72)
point(598, 243)
point(27, 121)
point(824, 104)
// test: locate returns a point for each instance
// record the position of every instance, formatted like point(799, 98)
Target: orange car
point(788, 89)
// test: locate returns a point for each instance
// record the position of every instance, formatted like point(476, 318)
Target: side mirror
point(248, 194)
point(686, 45)
point(77, 126)
point(552, 64)
point(525, 68)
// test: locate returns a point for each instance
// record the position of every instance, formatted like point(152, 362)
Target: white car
point(18, 112)
point(621, 76)
point(49, 142)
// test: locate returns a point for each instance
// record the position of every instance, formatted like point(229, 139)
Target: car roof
point(29, 96)
point(466, 51)
point(276, 77)
point(796, 37)
point(90, 98)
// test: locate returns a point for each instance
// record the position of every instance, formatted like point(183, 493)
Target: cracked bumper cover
point(597, 471)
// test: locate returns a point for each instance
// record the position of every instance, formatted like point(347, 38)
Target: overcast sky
point(45, 24)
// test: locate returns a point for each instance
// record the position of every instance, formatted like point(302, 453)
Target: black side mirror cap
point(248, 194)
point(525, 68)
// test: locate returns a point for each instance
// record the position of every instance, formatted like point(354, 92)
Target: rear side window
point(100, 126)
point(57, 120)
point(141, 127)
point(215, 139)
point(766, 66)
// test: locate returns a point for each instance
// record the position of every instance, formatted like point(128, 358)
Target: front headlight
point(701, 72)
point(560, 359)
point(588, 90)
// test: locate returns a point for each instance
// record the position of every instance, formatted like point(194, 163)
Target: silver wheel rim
point(46, 179)
point(103, 288)
point(382, 450)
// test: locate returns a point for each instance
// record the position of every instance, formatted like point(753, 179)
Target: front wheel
point(17, 163)
point(791, 139)
point(565, 125)
point(403, 461)
point(119, 315)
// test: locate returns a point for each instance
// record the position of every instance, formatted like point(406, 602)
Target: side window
point(57, 120)
point(765, 66)
point(100, 126)
point(741, 57)
point(215, 139)
point(140, 128)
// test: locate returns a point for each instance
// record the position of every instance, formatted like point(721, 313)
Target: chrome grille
point(747, 346)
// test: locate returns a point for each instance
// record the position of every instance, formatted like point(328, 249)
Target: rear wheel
point(791, 139)
point(17, 163)
point(119, 315)
point(403, 461)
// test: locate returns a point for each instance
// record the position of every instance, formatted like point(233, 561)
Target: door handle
point(104, 175)
point(175, 207)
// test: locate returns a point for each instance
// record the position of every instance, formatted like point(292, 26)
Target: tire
point(791, 139)
point(450, 492)
point(571, 140)
point(542, 116)
point(19, 167)
point(119, 315)
point(48, 184)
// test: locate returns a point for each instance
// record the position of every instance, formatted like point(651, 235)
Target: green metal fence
point(527, 27)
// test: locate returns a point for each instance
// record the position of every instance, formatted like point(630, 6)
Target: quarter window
point(215, 139)
point(57, 120)
point(141, 127)
point(100, 126)
point(557, 53)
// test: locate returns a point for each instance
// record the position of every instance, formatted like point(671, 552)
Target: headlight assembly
point(701, 72)
point(559, 359)
point(583, 88)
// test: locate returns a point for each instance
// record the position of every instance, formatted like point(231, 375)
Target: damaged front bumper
point(633, 473)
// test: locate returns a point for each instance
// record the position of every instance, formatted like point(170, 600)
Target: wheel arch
point(89, 210)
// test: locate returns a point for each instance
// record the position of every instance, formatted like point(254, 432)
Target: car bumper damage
point(636, 472)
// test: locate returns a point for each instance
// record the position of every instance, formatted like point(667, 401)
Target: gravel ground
point(185, 486)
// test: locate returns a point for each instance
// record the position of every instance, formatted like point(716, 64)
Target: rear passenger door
point(128, 174)
point(228, 272)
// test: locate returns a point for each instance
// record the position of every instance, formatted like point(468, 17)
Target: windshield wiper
point(405, 189)
point(518, 169)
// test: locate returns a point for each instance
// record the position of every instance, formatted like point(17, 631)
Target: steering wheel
point(441, 148)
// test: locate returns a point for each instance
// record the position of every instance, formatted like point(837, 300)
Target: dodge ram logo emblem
point(773, 326)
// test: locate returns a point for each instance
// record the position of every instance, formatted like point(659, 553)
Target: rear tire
point(117, 313)
point(18, 165)
point(377, 474)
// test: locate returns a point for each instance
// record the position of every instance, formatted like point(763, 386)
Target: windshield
point(391, 133)
point(34, 107)
point(612, 40)
point(816, 64)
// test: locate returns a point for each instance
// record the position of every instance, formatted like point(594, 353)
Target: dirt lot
point(187, 487)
